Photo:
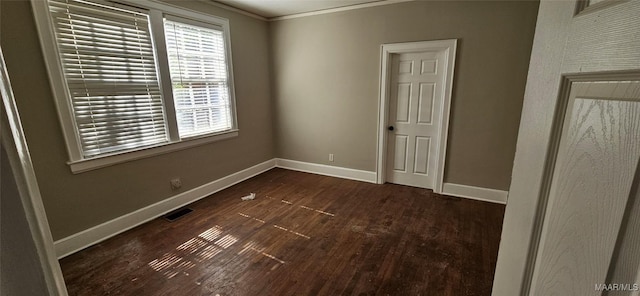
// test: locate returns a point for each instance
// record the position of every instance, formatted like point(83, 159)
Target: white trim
point(176, 10)
point(477, 193)
point(338, 9)
point(19, 158)
point(465, 191)
point(96, 234)
point(55, 73)
point(326, 170)
point(234, 9)
point(61, 92)
point(99, 233)
point(109, 160)
point(449, 46)
point(156, 23)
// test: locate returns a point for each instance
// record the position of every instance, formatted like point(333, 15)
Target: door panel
point(404, 102)
point(400, 159)
point(417, 81)
point(429, 66)
point(598, 44)
point(423, 146)
point(592, 182)
point(425, 103)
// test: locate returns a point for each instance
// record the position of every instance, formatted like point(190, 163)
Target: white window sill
point(84, 165)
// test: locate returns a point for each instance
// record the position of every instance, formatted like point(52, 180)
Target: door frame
point(386, 50)
point(13, 139)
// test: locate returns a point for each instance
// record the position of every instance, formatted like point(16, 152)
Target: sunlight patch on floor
point(318, 211)
point(202, 246)
point(253, 246)
point(252, 218)
point(291, 231)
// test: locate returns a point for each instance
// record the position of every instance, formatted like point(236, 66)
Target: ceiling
point(278, 8)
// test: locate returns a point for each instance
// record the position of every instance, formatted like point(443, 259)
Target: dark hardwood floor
point(304, 234)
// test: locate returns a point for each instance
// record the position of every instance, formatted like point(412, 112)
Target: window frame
point(157, 12)
point(196, 23)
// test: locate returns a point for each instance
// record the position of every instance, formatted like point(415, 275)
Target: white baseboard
point(96, 234)
point(465, 191)
point(477, 193)
point(327, 170)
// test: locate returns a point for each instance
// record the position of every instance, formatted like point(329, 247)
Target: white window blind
point(199, 78)
point(108, 62)
point(136, 78)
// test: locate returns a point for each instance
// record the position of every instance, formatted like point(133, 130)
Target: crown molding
point(304, 14)
point(234, 9)
point(338, 9)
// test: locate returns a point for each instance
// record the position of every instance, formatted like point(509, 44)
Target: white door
point(416, 96)
point(596, 165)
point(572, 221)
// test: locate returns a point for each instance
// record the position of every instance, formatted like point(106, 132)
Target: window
point(198, 78)
point(109, 67)
point(136, 81)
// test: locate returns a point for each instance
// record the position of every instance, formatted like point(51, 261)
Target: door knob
point(390, 128)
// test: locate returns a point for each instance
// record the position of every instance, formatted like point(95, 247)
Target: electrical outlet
point(175, 183)
point(331, 157)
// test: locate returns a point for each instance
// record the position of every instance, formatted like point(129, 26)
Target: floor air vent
point(177, 214)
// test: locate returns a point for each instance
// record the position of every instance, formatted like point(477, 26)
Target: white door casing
point(14, 141)
point(415, 98)
point(599, 44)
point(416, 90)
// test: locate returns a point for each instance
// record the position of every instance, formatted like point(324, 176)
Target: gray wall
point(76, 202)
point(324, 71)
point(20, 269)
point(326, 80)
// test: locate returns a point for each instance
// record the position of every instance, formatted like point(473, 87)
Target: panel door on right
point(591, 231)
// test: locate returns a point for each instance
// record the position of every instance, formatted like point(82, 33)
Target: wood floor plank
point(304, 234)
